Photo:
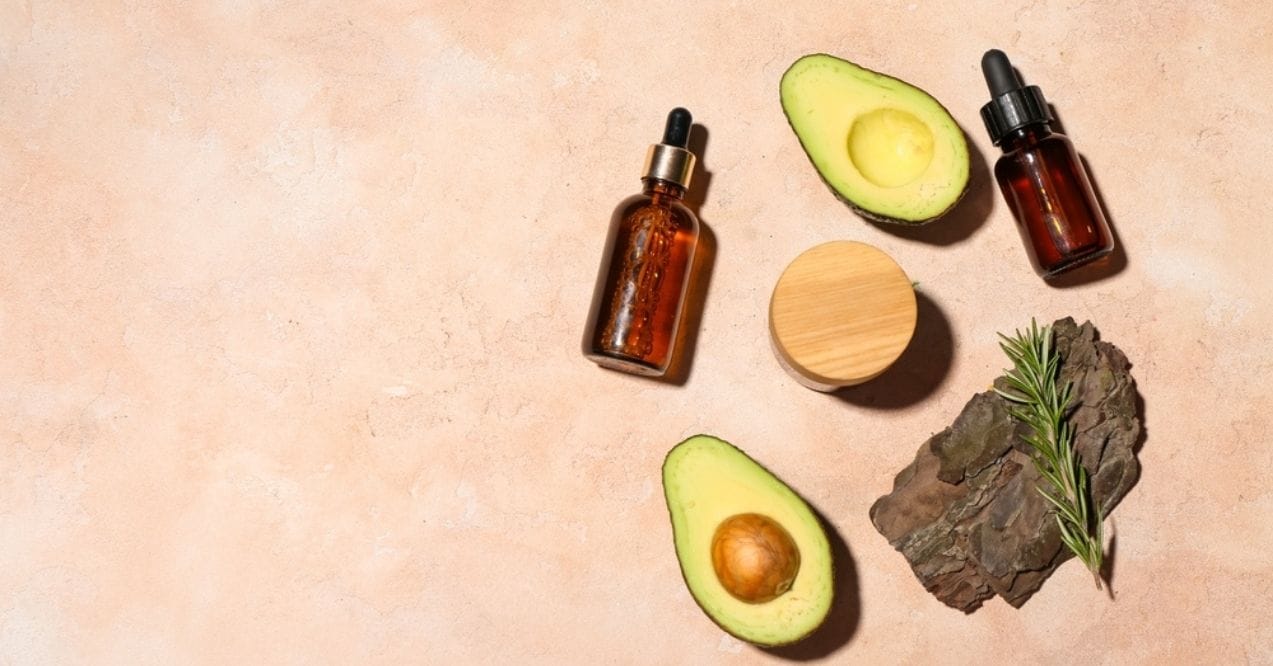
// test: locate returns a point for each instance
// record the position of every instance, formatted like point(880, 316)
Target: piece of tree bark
point(966, 513)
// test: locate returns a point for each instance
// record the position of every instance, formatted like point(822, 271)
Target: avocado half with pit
point(888, 149)
point(754, 555)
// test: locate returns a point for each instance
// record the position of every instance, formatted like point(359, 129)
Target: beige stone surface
point(291, 295)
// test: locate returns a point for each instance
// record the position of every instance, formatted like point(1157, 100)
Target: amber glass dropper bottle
point(645, 269)
point(1041, 176)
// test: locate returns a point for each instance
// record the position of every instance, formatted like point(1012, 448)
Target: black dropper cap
point(1012, 105)
point(677, 131)
point(670, 159)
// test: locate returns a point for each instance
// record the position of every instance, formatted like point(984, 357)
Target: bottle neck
point(658, 186)
point(1023, 137)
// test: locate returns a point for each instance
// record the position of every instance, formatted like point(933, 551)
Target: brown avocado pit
point(754, 555)
point(755, 559)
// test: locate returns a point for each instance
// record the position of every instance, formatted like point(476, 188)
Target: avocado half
point(886, 148)
point(706, 481)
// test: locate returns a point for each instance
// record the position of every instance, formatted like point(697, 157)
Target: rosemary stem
point(1042, 403)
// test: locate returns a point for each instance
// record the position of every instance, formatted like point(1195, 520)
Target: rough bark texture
point(966, 513)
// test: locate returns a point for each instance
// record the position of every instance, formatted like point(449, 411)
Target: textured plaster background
point(291, 294)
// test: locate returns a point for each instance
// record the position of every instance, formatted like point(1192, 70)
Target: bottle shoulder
point(1056, 143)
point(659, 206)
point(1031, 136)
point(1048, 148)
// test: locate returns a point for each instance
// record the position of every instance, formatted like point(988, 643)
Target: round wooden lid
point(841, 313)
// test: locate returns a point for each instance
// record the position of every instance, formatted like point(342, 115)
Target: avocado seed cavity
point(755, 559)
point(890, 147)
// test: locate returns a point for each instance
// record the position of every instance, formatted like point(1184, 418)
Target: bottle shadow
point(968, 215)
point(846, 605)
point(919, 371)
point(701, 180)
point(1105, 267)
point(678, 372)
point(1112, 264)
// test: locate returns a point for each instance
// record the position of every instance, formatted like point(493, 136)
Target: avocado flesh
point(705, 481)
point(885, 147)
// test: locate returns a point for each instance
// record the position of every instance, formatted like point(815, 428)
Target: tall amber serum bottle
point(645, 269)
point(1041, 176)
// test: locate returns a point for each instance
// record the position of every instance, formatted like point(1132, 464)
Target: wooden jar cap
point(841, 313)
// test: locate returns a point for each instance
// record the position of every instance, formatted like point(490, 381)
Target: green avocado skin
point(884, 219)
point(854, 206)
point(668, 500)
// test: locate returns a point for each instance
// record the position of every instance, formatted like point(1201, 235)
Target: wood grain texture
point(841, 314)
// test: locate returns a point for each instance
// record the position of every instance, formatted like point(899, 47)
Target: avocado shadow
point(700, 279)
point(846, 605)
point(918, 372)
point(968, 215)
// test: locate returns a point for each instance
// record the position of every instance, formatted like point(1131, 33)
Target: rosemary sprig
point(1043, 405)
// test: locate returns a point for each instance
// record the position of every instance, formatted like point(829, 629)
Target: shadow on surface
point(1104, 267)
point(1107, 564)
point(1144, 431)
point(846, 607)
point(678, 371)
point(701, 180)
point(920, 369)
point(1111, 554)
point(969, 214)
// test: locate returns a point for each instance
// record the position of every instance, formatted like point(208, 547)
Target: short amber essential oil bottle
point(645, 270)
point(1041, 176)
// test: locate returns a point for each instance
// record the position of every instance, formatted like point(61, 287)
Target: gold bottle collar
point(669, 163)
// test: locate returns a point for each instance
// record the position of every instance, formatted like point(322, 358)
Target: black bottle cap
point(677, 131)
point(670, 159)
point(1012, 105)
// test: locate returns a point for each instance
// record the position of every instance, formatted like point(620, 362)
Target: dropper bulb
point(1001, 78)
point(677, 131)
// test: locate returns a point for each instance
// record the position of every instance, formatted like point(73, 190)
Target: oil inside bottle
point(642, 283)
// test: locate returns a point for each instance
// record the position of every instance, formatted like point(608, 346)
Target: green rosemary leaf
point(1067, 393)
point(1082, 497)
point(1071, 541)
point(1052, 478)
point(1100, 524)
point(1064, 510)
point(1012, 396)
point(1042, 403)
